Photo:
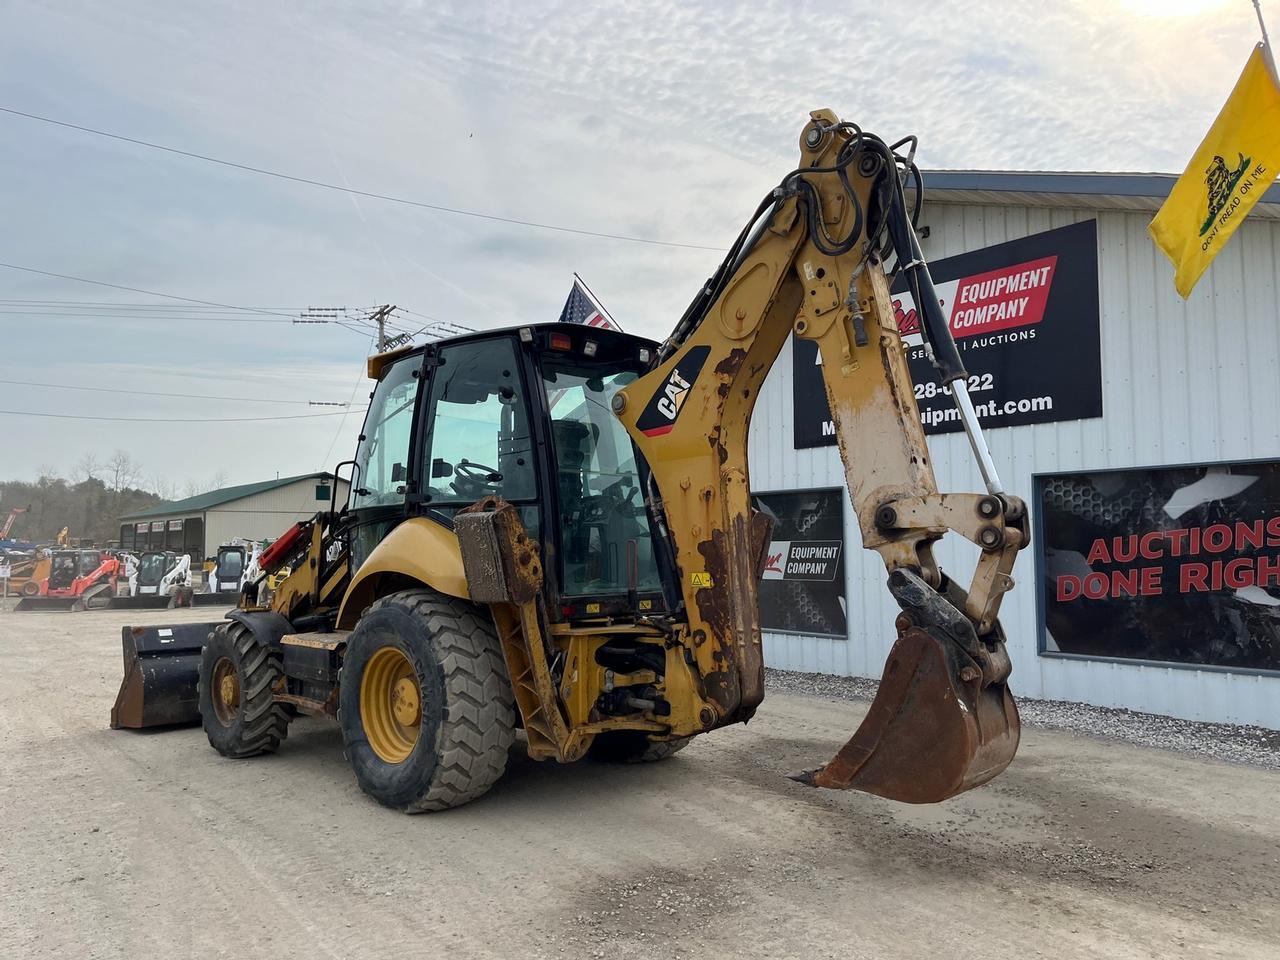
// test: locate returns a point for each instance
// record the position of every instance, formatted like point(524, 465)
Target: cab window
point(480, 443)
point(383, 455)
point(606, 542)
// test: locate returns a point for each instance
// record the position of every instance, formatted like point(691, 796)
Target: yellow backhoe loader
point(551, 528)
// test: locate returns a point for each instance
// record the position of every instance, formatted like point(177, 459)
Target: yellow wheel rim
point(390, 704)
point(225, 692)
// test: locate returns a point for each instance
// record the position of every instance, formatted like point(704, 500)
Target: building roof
point(215, 498)
point(1092, 190)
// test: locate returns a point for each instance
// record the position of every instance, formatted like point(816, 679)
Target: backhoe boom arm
point(810, 263)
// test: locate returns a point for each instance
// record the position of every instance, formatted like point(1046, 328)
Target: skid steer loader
point(77, 580)
point(551, 528)
point(157, 579)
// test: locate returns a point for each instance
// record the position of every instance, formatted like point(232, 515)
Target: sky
point(663, 121)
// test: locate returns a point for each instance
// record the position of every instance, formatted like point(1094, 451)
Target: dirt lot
point(125, 844)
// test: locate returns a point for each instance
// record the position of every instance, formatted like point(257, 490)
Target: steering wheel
point(473, 478)
point(623, 494)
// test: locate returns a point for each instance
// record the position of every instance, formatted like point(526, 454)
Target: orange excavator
point(551, 528)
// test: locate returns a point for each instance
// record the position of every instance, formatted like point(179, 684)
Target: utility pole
point(380, 315)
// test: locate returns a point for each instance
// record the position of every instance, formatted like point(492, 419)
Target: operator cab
point(523, 414)
point(228, 568)
point(64, 569)
point(152, 567)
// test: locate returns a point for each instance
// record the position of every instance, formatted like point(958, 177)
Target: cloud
point(661, 119)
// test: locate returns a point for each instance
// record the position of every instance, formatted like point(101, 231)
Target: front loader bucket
point(47, 603)
point(146, 601)
point(161, 669)
point(214, 599)
point(943, 720)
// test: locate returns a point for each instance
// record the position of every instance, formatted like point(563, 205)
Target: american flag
point(582, 308)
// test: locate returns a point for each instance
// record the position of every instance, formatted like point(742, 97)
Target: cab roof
point(379, 361)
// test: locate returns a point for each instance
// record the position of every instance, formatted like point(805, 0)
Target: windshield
point(230, 565)
point(64, 569)
point(152, 567)
point(606, 543)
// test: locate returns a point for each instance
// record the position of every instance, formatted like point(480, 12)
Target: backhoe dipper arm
point(810, 262)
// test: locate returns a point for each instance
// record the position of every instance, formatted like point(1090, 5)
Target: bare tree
point(194, 488)
point(164, 489)
point(86, 468)
point(122, 471)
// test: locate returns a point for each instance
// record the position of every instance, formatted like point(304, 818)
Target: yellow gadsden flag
point(1229, 173)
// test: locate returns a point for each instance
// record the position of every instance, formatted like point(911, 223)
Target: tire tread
point(479, 726)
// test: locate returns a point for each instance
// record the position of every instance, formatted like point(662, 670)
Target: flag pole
point(1257, 8)
point(591, 295)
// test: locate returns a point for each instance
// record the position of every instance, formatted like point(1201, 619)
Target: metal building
point(1152, 471)
point(253, 511)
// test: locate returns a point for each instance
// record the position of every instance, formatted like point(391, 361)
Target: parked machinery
point(77, 580)
point(156, 579)
point(234, 565)
point(552, 527)
point(27, 571)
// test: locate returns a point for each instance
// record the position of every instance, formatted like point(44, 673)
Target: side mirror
point(398, 472)
point(441, 468)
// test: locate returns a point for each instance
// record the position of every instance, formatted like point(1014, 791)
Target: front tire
point(237, 675)
point(424, 703)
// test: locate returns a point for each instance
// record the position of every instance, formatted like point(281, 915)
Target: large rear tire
point(633, 746)
point(237, 675)
point(424, 702)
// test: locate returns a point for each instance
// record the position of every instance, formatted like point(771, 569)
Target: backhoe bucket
point(161, 669)
point(943, 720)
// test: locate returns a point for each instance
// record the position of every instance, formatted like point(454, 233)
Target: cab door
point(477, 440)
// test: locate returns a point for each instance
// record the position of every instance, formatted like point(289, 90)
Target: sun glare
point(1172, 8)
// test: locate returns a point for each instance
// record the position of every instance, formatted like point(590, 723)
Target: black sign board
point(1024, 315)
point(1177, 564)
point(802, 590)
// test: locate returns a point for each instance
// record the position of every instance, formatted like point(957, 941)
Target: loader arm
point(810, 263)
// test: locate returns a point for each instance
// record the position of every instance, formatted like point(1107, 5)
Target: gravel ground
point(1256, 746)
point(123, 844)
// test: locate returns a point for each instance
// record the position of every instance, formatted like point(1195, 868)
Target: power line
point(149, 293)
point(360, 193)
point(157, 316)
point(77, 416)
point(135, 304)
point(285, 317)
point(152, 393)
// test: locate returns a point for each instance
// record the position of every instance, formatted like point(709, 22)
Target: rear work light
point(559, 341)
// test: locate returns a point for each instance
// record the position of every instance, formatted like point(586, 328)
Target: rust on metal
point(502, 563)
point(738, 687)
point(939, 725)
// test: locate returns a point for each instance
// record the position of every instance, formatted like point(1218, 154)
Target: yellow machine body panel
point(420, 549)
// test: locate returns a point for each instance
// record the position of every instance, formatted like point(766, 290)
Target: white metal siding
point(1182, 382)
point(266, 514)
